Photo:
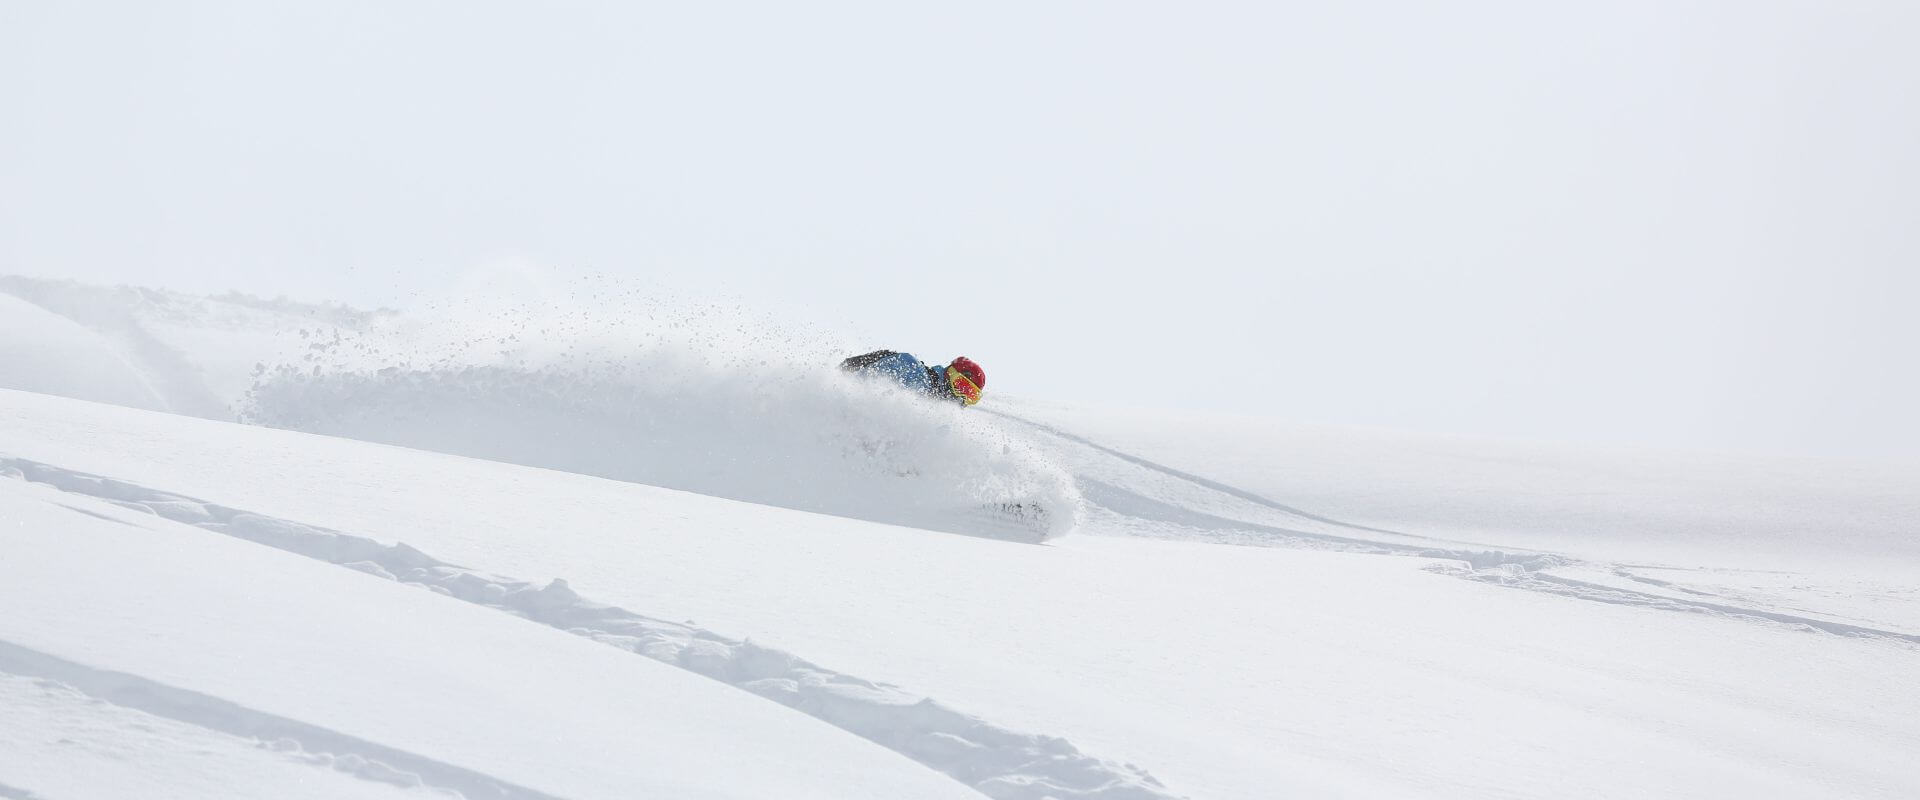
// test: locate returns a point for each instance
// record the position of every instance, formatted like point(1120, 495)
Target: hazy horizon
point(1632, 224)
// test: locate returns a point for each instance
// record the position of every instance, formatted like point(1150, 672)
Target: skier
point(960, 381)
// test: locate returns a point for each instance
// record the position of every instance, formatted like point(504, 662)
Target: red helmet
point(967, 379)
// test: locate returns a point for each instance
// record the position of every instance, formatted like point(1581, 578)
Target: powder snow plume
point(641, 385)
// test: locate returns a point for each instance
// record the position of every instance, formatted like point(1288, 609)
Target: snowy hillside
point(611, 558)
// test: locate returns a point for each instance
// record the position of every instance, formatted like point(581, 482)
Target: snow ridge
point(353, 756)
point(1000, 763)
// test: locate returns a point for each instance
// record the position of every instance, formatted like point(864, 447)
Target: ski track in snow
point(1133, 504)
point(1192, 478)
point(999, 763)
point(311, 743)
point(1584, 590)
point(1526, 570)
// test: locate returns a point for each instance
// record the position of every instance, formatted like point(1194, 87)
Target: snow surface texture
point(72, 744)
point(1237, 672)
point(376, 680)
point(1000, 763)
point(1556, 667)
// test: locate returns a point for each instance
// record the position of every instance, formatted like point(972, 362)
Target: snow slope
point(394, 684)
point(1292, 671)
point(1245, 609)
point(66, 743)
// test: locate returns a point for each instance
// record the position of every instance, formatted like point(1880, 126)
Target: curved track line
point(1000, 763)
point(206, 711)
point(1202, 482)
point(1584, 590)
point(1132, 504)
point(1520, 570)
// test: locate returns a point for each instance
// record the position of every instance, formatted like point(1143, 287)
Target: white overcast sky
point(1691, 224)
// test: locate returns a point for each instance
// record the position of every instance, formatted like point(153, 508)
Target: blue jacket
point(901, 368)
